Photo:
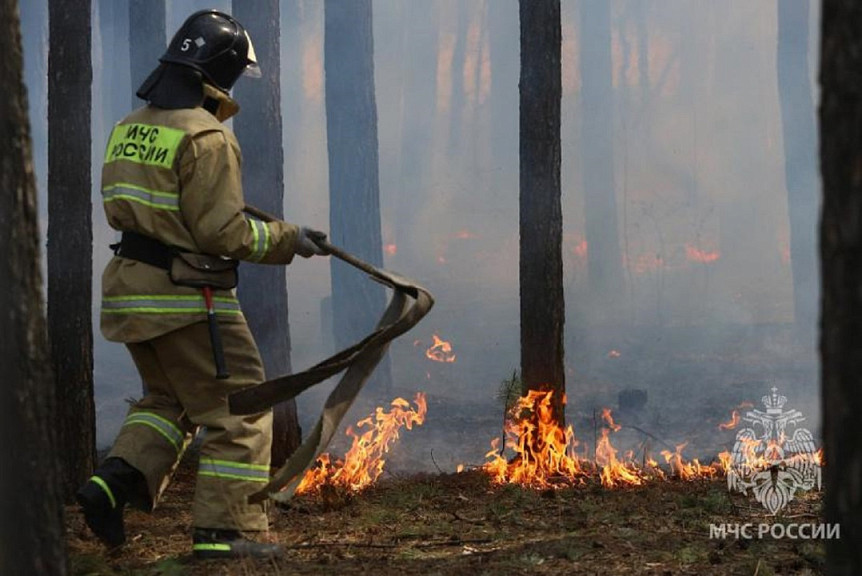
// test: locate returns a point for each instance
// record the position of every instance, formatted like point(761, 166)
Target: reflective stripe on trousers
point(163, 426)
point(167, 304)
point(233, 470)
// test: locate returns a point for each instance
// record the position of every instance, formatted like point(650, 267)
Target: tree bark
point(354, 186)
point(604, 261)
point(541, 221)
point(147, 41)
point(264, 288)
point(800, 164)
point(31, 532)
point(70, 237)
point(841, 266)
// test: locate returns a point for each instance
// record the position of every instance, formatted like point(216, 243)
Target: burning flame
point(730, 424)
point(363, 463)
point(606, 416)
point(440, 351)
point(544, 453)
point(697, 255)
point(689, 470)
point(613, 472)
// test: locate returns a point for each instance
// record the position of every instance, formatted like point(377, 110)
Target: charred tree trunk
point(70, 237)
point(604, 262)
point(800, 165)
point(32, 534)
point(541, 220)
point(264, 288)
point(354, 187)
point(841, 265)
point(147, 40)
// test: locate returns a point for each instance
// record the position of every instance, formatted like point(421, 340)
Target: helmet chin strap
point(218, 103)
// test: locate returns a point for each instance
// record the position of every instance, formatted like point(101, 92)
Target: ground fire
point(440, 351)
point(694, 254)
point(546, 456)
point(363, 463)
point(730, 424)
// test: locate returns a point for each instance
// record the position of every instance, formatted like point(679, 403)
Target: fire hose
point(410, 302)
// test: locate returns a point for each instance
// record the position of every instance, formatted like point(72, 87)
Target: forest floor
point(436, 522)
point(461, 523)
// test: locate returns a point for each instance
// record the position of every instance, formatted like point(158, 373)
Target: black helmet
point(216, 45)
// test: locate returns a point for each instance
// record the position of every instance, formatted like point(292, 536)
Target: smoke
point(707, 307)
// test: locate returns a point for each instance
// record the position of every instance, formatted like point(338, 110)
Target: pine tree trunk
point(31, 531)
point(70, 237)
point(147, 40)
point(800, 166)
point(841, 265)
point(354, 188)
point(263, 289)
point(541, 221)
point(604, 261)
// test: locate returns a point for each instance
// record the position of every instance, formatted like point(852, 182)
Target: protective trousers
point(182, 395)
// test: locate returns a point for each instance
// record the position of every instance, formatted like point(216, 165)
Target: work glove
point(306, 245)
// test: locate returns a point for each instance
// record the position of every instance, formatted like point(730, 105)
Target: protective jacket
point(174, 175)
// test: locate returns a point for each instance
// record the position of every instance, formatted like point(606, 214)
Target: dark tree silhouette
point(264, 288)
point(841, 270)
point(354, 188)
point(70, 236)
point(604, 261)
point(31, 532)
point(541, 220)
point(800, 164)
point(147, 40)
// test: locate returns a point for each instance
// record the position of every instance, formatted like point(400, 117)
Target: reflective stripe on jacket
point(174, 175)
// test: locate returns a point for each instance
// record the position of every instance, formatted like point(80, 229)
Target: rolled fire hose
point(410, 302)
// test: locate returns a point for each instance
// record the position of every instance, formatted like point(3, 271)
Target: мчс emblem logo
point(774, 465)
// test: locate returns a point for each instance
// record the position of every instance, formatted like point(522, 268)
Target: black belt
point(150, 251)
point(144, 249)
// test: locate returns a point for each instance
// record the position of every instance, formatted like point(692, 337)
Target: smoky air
point(688, 205)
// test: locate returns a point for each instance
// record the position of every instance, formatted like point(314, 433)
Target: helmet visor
point(251, 69)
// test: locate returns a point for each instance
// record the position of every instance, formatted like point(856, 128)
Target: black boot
point(104, 497)
point(210, 543)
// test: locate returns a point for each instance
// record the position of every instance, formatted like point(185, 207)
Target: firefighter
point(171, 183)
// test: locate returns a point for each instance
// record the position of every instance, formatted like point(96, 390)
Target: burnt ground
point(459, 523)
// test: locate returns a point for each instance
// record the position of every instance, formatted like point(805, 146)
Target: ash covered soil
point(460, 523)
